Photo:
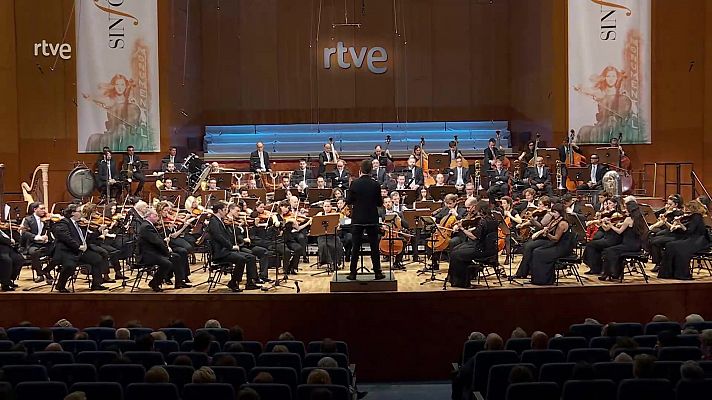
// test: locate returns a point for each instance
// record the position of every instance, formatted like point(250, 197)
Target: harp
point(37, 189)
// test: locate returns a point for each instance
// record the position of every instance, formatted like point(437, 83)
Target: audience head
point(623, 342)
point(623, 358)
point(156, 374)
point(236, 334)
point(234, 347)
point(76, 396)
point(159, 335)
point(706, 337)
point(494, 342)
point(63, 323)
point(643, 366)
point(327, 362)
point(123, 334)
point(201, 342)
point(519, 333)
point(225, 360)
point(694, 318)
point(54, 347)
point(476, 336)
point(106, 321)
point(183, 360)
point(204, 375)
point(691, 370)
point(660, 318)
point(286, 336)
point(540, 340)
point(319, 377)
point(520, 374)
point(263, 377)
point(81, 336)
point(280, 348)
point(212, 323)
point(134, 323)
point(247, 394)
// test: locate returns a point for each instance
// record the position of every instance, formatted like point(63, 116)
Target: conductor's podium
point(363, 283)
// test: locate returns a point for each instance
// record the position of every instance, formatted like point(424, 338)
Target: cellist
point(446, 217)
point(398, 224)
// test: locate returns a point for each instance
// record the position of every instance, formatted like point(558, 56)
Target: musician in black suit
point(108, 175)
point(453, 151)
point(414, 174)
point(459, 176)
point(364, 198)
point(327, 156)
point(153, 249)
point(498, 181)
point(491, 153)
point(35, 239)
point(132, 162)
point(259, 159)
point(10, 262)
point(377, 173)
point(383, 156)
point(594, 178)
point(171, 157)
point(300, 177)
point(71, 249)
point(539, 177)
point(341, 176)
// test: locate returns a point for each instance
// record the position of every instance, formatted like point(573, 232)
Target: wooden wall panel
point(10, 149)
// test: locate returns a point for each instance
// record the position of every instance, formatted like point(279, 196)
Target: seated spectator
point(327, 362)
point(643, 366)
point(706, 344)
point(691, 370)
point(591, 321)
point(666, 339)
point(145, 343)
point(45, 334)
point(476, 336)
point(660, 318)
point(494, 342)
point(235, 334)
point(319, 377)
point(694, 319)
point(63, 323)
point(225, 361)
point(81, 336)
point(134, 323)
point(540, 340)
point(201, 342)
point(123, 334)
point(623, 342)
point(234, 348)
point(54, 347)
point(177, 323)
point(159, 335)
point(520, 374)
point(519, 333)
point(212, 323)
point(25, 324)
point(183, 360)
point(247, 394)
point(76, 396)
point(263, 377)
point(286, 336)
point(328, 346)
point(106, 321)
point(156, 374)
point(623, 358)
point(321, 394)
point(204, 375)
point(583, 371)
point(280, 348)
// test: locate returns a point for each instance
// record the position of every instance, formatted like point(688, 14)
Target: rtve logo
point(372, 56)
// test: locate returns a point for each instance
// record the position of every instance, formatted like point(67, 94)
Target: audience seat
point(337, 392)
point(602, 342)
point(180, 375)
point(123, 374)
point(541, 357)
point(12, 358)
point(588, 355)
point(646, 340)
point(679, 353)
point(60, 333)
point(566, 343)
point(19, 333)
point(294, 346)
point(166, 347)
point(41, 390)
point(470, 348)
point(139, 332)
point(634, 352)
point(77, 346)
point(198, 359)
point(99, 333)
point(151, 391)
point(585, 330)
point(35, 345)
point(688, 389)
point(595, 389)
point(289, 360)
point(518, 344)
point(699, 326)
point(219, 334)
point(6, 345)
point(315, 347)
point(688, 340)
point(653, 328)
point(484, 360)
point(645, 389)
point(146, 358)
point(178, 334)
point(50, 358)
point(283, 375)
point(99, 390)
point(669, 370)
point(533, 390)
point(15, 374)
point(235, 376)
point(312, 359)
point(339, 376)
point(243, 359)
point(212, 349)
point(498, 381)
point(97, 358)
point(208, 391)
point(249, 346)
point(629, 329)
point(271, 391)
point(556, 372)
point(117, 345)
point(615, 371)
point(73, 373)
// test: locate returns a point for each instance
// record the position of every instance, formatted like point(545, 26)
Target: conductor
point(364, 197)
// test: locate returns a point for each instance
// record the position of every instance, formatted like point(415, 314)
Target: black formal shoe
point(155, 288)
point(267, 280)
point(252, 286)
point(168, 282)
point(49, 279)
point(656, 268)
point(120, 277)
point(7, 288)
point(351, 277)
point(186, 280)
point(259, 281)
point(603, 277)
point(589, 272)
point(15, 285)
point(232, 285)
point(99, 287)
point(63, 290)
point(182, 285)
point(108, 280)
point(378, 276)
point(39, 279)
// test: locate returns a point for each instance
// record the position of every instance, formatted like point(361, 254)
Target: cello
point(391, 243)
point(443, 232)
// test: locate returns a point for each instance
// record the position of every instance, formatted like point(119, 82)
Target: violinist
point(559, 242)
point(173, 226)
point(153, 249)
point(330, 249)
point(10, 262)
point(100, 240)
point(660, 233)
point(300, 226)
point(480, 242)
point(344, 226)
point(237, 221)
point(604, 237)
point(694, 238)
point(529, 201)
point(35, 239)
point(511, 218)
point(287, 243)
point(445, 218)
point(633, 232)
point(540, 218)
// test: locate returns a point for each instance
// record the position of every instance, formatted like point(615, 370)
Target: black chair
point(566, 343)
point(518, 344)
point(235, 376)
point(498, 381)
point(60, 333)
point(568, 266)
point(6, 345)
point(588, 355)
point(645, 389)
point(337, 392)
point(669, 370)
point(13, 358)
point(166, 347)
point(73, 373)
point(77, 346)
point(707, 367)
point(312, 359)
point(123, 374)
point(687, 340)
point(180, 375)
point(653, 328)
point(596, 389)
point(19, 333)
point(634, 263)
point(699, 326)
point(602, 342)
point(41, 390)
point(212, 391)
point(679, 353)
point(243, 359)
point(541, 357)
point(470, 348)
point(151, 391)
point(35, 345)
point(635, 351)
point(315, 347)
point(141, 271)
point(220, 334)
point(629, 329)
point(556, 372)
point(212, 349)
point(99, 390)
point(97, 358)
point(283, 375)
point(15, 374)
point(484, 268)
point(99, 333)
point(687, 389)
point(646, 340)
point(198, 359)
point(249, 346)
point(146, 358)
point(50, 358)
point(117, 345)
point(271, 391)
point(339, 376)
point(588, 331)
point(139, 332)
point(533, 390)
point(615, 371)
point(484, 360)
point(293, 346)
point(289, 360)
point(178, 334)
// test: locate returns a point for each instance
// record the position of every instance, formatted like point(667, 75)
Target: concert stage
point(389, 333)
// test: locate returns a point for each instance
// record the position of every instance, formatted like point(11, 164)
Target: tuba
point(612, 183)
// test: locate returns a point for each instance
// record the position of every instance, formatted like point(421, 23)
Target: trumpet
point(559, 176)
point(477, 178)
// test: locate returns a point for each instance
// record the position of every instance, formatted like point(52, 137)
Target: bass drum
point(80, 182)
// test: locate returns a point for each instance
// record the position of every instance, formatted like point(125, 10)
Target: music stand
point(549, 155)
point(280, 194)
point(326, 225)
point(251, 202)
point(315, 195)
point(507, 231)
point(329, 168)
point(648, 214)
point(407, 196)
point(210, 196)
point(313, 211)
point(260, 193)
point(18, 210)
point(608, 155)
point(587, 211)
point(223, 179)
point(578, 174)
point(429, 204)
point(439, 192)
point(439, 162)
point(180, 179)
point(412, 218)
point(577, 226)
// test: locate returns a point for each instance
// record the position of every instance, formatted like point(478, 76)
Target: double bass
point(505, 161)
point(574, 159)
point(453, 163)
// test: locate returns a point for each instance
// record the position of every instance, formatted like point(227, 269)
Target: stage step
point(363, 283)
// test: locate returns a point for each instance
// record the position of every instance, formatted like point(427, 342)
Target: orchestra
point(262, 219)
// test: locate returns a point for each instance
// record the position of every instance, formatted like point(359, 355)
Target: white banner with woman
point(117, 75)
point(609, 70)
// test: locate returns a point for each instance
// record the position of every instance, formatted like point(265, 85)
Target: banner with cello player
point(609, 79)
point(117, 75)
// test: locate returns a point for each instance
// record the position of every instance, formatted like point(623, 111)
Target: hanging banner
point(117, 75)
point(609, 70)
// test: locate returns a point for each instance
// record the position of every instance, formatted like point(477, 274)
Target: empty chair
point(337, 392)
point(602, 342)
point(179, 375)
point(198, 359)
point(312, 359)
point(541, 357)
point(235, 376)
point(679, 353)
point(484, 360)
point(220, 334)
point(687, 389)
point(289, 360)
point(588, 331)
point(687, 340)
point(212, 391)
point(294, 346)
point(15, 374)
point(6, 345)
point(60, 333)
point(470, 348)
point(271, 391)
point(596, 389)
point(98, 358)
point(73, 373)
point(249, 346)
point(707, 367)
point(588, 355)
point(518, 344)
point(35, 345)
point(287, 376)
point(123, 374)
point(566, 343)
point(40, 390)
point(20, 333)
point(166, 347)
point(50, 358)
point(645, 389)
point(146, 358)
point(669, 370)
point(138, 332)
point(629, 329)
point(77, 346)
point(646, 340)
point(99, 333)
point(99, 390)
point(178, 334)
point(244, 359)
point(653, 328)
point(556, 372)
point(533, 390)
point(339, 376)
point(614, 371)
point(188, 346)
point(151, 391)
point(315, 347)
point(498, 381)
point(12, 358)
point(117, 345)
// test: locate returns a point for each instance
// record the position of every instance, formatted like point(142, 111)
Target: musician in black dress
point(450, 213)
point(10, 262)
point(480, 242)
point(660, 233)
point(330, 249)
point(633, 232)
point(561, 242)
point(678, 253)
point(153, 249)
point(538, 219)
point(603, 238)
